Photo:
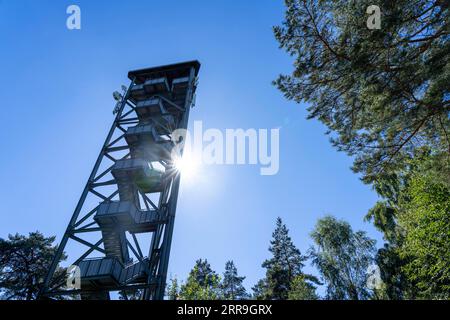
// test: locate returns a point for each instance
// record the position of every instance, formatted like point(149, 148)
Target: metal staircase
point(139, 149)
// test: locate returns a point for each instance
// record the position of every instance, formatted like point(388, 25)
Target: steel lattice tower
point(135, 180)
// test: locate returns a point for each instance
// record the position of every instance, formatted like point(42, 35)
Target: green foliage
point(414, 206)
point(260, 290)
point(396, 285)
point(231, 286)
point(24, 262)
point(382, 93)
point(342, 258)
point(202, 283)
point(173, 289)
point(384, 216)
point(384, 219)
point(282, 268)
point(301, 289)
point(425, 221)
point(384, 96)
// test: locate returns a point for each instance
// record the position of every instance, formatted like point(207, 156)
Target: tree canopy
point(382, 93)
point(343, 258)
point(24, 262)
point(173, 289)
point(413, 217)
point(231, 286)
point(203, 283)
point(282, 268)
point(424, 220)
point(302, 289)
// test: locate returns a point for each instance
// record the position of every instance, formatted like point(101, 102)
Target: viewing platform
point(140, 172)
point(127, 216)
point(110, 273)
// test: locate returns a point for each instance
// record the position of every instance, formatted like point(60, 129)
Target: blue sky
point(56, 87)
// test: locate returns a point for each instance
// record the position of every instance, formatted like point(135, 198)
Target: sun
point(187, 166)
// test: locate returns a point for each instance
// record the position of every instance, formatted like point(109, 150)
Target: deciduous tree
point(342, 257)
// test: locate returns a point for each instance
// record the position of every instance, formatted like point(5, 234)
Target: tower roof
point(176, 70)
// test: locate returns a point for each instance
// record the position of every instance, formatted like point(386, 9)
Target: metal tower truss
point(127, 208)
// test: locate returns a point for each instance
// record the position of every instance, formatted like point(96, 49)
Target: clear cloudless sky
point(56, 110)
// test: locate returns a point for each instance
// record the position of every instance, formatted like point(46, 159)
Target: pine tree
point(381, 93)
point(232, 288)
point(203, 283)
point(24, 262)
point(285, 264)
point(173, 289)
point(260, 290)
point(301, 289)
point(205, 274)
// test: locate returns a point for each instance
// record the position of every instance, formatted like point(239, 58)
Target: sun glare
point(188, 166)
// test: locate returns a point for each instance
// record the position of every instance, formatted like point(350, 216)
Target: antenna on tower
point(118, 97)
